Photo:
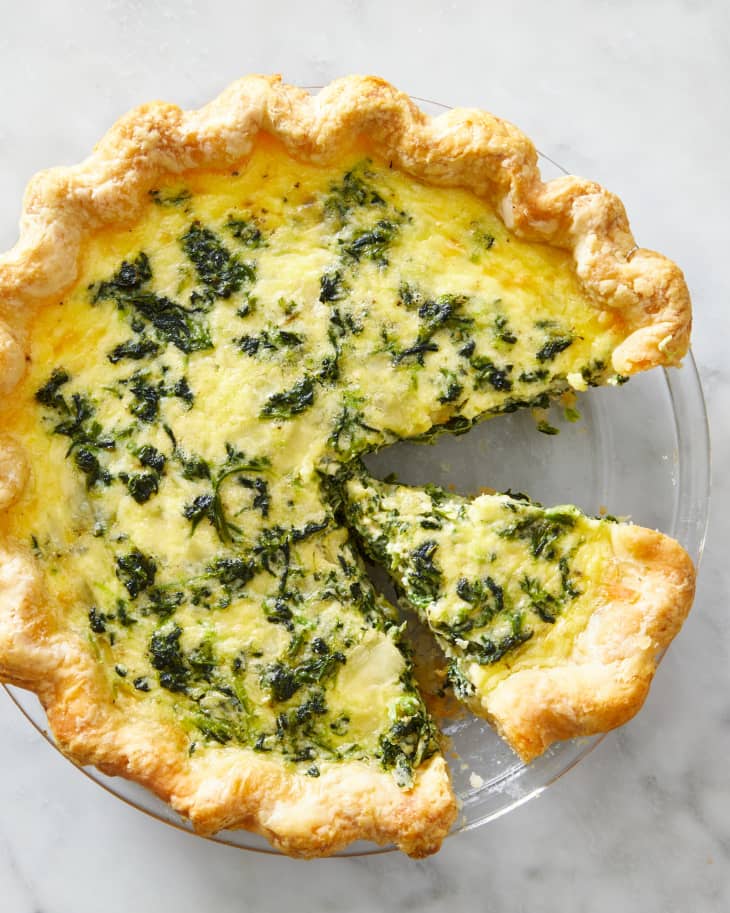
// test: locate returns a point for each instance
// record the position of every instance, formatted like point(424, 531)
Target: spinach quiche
point(552, 621)
point(200, 326)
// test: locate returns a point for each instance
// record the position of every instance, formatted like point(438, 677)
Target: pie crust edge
point(605, 679)
point(63, 206)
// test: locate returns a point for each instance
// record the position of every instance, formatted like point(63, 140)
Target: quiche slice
point(552, 621)
point(214, 311)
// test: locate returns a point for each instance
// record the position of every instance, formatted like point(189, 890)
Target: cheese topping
point(251, 332)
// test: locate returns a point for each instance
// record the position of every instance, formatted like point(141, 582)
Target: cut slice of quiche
point(553, 621)
point(214, 310)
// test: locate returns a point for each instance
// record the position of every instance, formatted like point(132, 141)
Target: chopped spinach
point(130, 277)
point(89, 464)
point(269, 341)
point(48, 394)
point(554, 346)
point(332, 286)
point(442, 313)
point(143, 485)
point(544, 603)
point(136, 571)
point(290, 402)
point(424, 578)
point(451, 389)
point(486, 372)
point(372, 243)
point(541, 530)
point(222, 272)
point(284, 681)
point(351, 193)
point(245, 231)
point(486, 650)
point(150, 456)
point(502, 330)
point(135, 349)
point(185, 328)
point(411, 739)
point(209, 505)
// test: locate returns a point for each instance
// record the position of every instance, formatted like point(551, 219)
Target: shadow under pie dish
point(204, 323)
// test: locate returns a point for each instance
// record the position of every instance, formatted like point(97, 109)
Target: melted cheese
point(270, 324)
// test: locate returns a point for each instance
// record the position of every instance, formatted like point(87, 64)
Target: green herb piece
point(290, 402)
point(183, 328)
point(147, 397)
point(217, 268)
point(150, 456)
point(347, 429)
point(553, 347)
point(245, 231)
point(332, 286)
point(463, 688)
point(135, 349)
point(486, 650)
point(87, 437)
point(502, 330)
point(486, 372)
point(186, 329)
point(545, 604)
point(48, 394)
point(167, 658)
point(452, 388)
point(372, 243)
point(202, 507)
point(484, 239)
point(269, 341)
point(209, 506)
point(142, 486)
point(351, 193)
point(410, 741)
point(262, 498)
point(534, 377)
point(130, 277)
point(89, 464)
point(542, 531)
point(442, 313)
point(284, 681)
point(424, 579)
point(97, 621)
point(136, 571)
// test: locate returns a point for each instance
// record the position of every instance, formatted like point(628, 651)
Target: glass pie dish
point(640, 452)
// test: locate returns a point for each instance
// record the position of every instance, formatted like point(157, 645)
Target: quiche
point(201, 324)
point(552, 621)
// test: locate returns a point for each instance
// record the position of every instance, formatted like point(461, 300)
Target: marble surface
point(631, 94)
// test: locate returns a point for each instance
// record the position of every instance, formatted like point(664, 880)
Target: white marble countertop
point(633, 94)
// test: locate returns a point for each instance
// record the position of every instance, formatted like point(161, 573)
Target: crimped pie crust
point(64, 206)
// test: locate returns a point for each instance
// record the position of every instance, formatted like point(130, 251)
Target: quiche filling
point(503, 583)
point(249, 334)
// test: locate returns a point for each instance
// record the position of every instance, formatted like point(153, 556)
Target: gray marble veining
point(631, 94)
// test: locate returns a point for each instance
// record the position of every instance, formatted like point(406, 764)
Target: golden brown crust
point(64, 206)
point(648, 591)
